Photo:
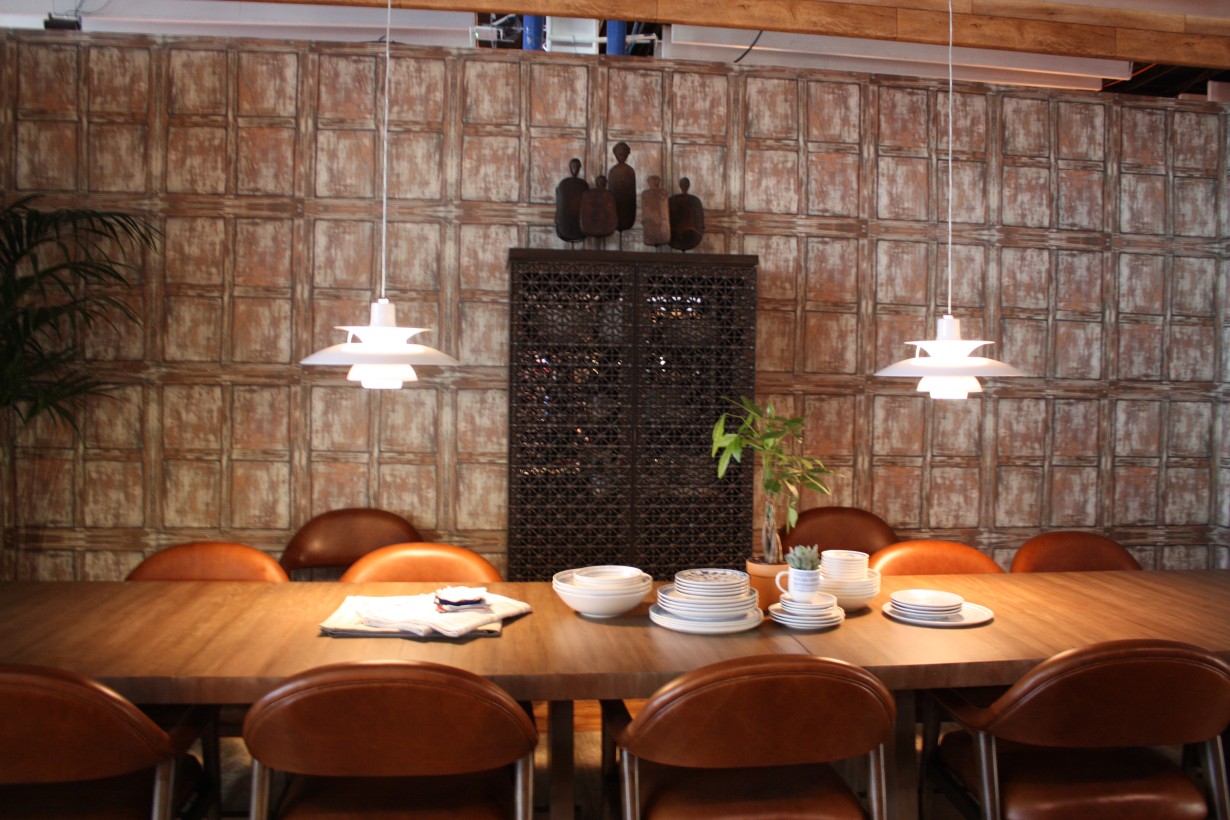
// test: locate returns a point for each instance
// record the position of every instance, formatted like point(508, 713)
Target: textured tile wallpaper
point(1090, 243)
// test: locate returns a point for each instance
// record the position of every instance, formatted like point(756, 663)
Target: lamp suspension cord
point(950, 157)
point(384, 155)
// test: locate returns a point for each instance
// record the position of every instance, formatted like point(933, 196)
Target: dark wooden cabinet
point(620, 365)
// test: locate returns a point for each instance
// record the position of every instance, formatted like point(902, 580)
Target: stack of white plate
point(707, 602)
point(844, 575)
point(602, 591)
point(820, 612)
point(933, 607)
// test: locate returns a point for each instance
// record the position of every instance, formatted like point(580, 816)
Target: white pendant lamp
point(383, 358)
point(948, 371)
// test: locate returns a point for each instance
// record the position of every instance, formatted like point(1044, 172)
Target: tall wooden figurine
point(568, 204)
point(655, 213)
point(598, 217)
point(687, 218)
point(622, 181)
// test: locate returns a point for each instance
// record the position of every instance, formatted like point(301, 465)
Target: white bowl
point(607, 576)
point(567, 579)
point(603, 604)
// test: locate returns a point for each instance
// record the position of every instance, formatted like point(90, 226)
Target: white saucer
point(970, 615)
point(832, 618)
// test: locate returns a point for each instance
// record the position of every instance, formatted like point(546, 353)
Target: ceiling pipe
point(617, 37)
point(533, 27)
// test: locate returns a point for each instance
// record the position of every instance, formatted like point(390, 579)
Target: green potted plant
point(784, 471)
point(55, 268)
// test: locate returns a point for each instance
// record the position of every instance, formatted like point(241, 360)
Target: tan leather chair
point(338, 538)
point(847, 528)
point(930, 557)
point(422, 561)
point(392, 738)
point(1071, 551)
point(71, 747)
point(209, 561)
point(1076, 736)
point(753, 737)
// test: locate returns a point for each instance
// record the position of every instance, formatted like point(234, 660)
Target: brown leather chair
point(1077, 736)
point(847, 528)
point(392, 738)
point(422, 561)
point(754, 737)
point(338, 538)
point(930, 557)
point(1071, 551)
point(71, 747)
point(209, 561)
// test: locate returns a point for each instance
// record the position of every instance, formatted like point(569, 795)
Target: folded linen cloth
point(361, 615)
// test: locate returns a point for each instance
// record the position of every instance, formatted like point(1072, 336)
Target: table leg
point(902, 759)
point(560, 760)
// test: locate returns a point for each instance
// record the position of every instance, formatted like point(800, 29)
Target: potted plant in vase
point(784, 472)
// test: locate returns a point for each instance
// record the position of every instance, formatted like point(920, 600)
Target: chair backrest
point(422, 561)
point(764, 710)
point(931, 557)
point(387, 719)
point(1117, 693)
point(847, 528)
point(1071, 551)
point(338, 538)
point(57, 727)
point(209, 561)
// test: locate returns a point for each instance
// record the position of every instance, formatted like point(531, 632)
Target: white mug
point(801, 584)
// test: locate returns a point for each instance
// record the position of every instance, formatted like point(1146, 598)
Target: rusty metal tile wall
point(1090, 244)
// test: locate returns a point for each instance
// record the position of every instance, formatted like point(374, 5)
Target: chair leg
point(930, 740)
point(260, 791)
point(877, 788)
point(988, 773)
point(631, 786)
point(164, 790)
point(523, 807)
point(1215, 777)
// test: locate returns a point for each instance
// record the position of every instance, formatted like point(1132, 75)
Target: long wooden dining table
point(228, 643)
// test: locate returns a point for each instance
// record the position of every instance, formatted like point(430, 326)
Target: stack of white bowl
point(844, 574)
point(602, 591)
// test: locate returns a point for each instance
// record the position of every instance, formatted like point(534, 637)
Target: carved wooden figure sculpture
point(598, 216)
point(622, 181)
point(568, 204)
point(655, 214)
point(687, 218)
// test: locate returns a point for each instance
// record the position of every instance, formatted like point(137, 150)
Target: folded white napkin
point(417, 615)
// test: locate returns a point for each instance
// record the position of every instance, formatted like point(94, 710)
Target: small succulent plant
point(803, 557)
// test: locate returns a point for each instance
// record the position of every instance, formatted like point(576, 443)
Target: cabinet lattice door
point(620, 365)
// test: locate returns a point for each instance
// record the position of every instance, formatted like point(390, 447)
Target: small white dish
point(608, 575)
point(927, 599)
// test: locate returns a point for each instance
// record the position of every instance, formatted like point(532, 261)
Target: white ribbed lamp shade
point(383, 358)
point(948, 371)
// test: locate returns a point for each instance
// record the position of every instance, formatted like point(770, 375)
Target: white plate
point(749, 621)
point(671, 593)
point(606, 576)
point(711, 582)
point(930, 599)
point(970, 615)
point(835, 616)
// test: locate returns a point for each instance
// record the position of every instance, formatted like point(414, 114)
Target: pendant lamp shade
point(948, 371)
point(383, 357)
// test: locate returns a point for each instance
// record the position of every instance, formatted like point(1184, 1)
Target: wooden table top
point(219, 642)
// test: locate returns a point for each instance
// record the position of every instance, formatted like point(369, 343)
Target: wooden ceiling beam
point(1038, 26)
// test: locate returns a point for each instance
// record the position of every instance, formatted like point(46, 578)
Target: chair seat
point(485, 797)
point(816, 792)
point(108, 798)
point(1091, 784)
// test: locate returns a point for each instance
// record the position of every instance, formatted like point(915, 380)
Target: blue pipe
point(533, 28)
point(617, 37)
